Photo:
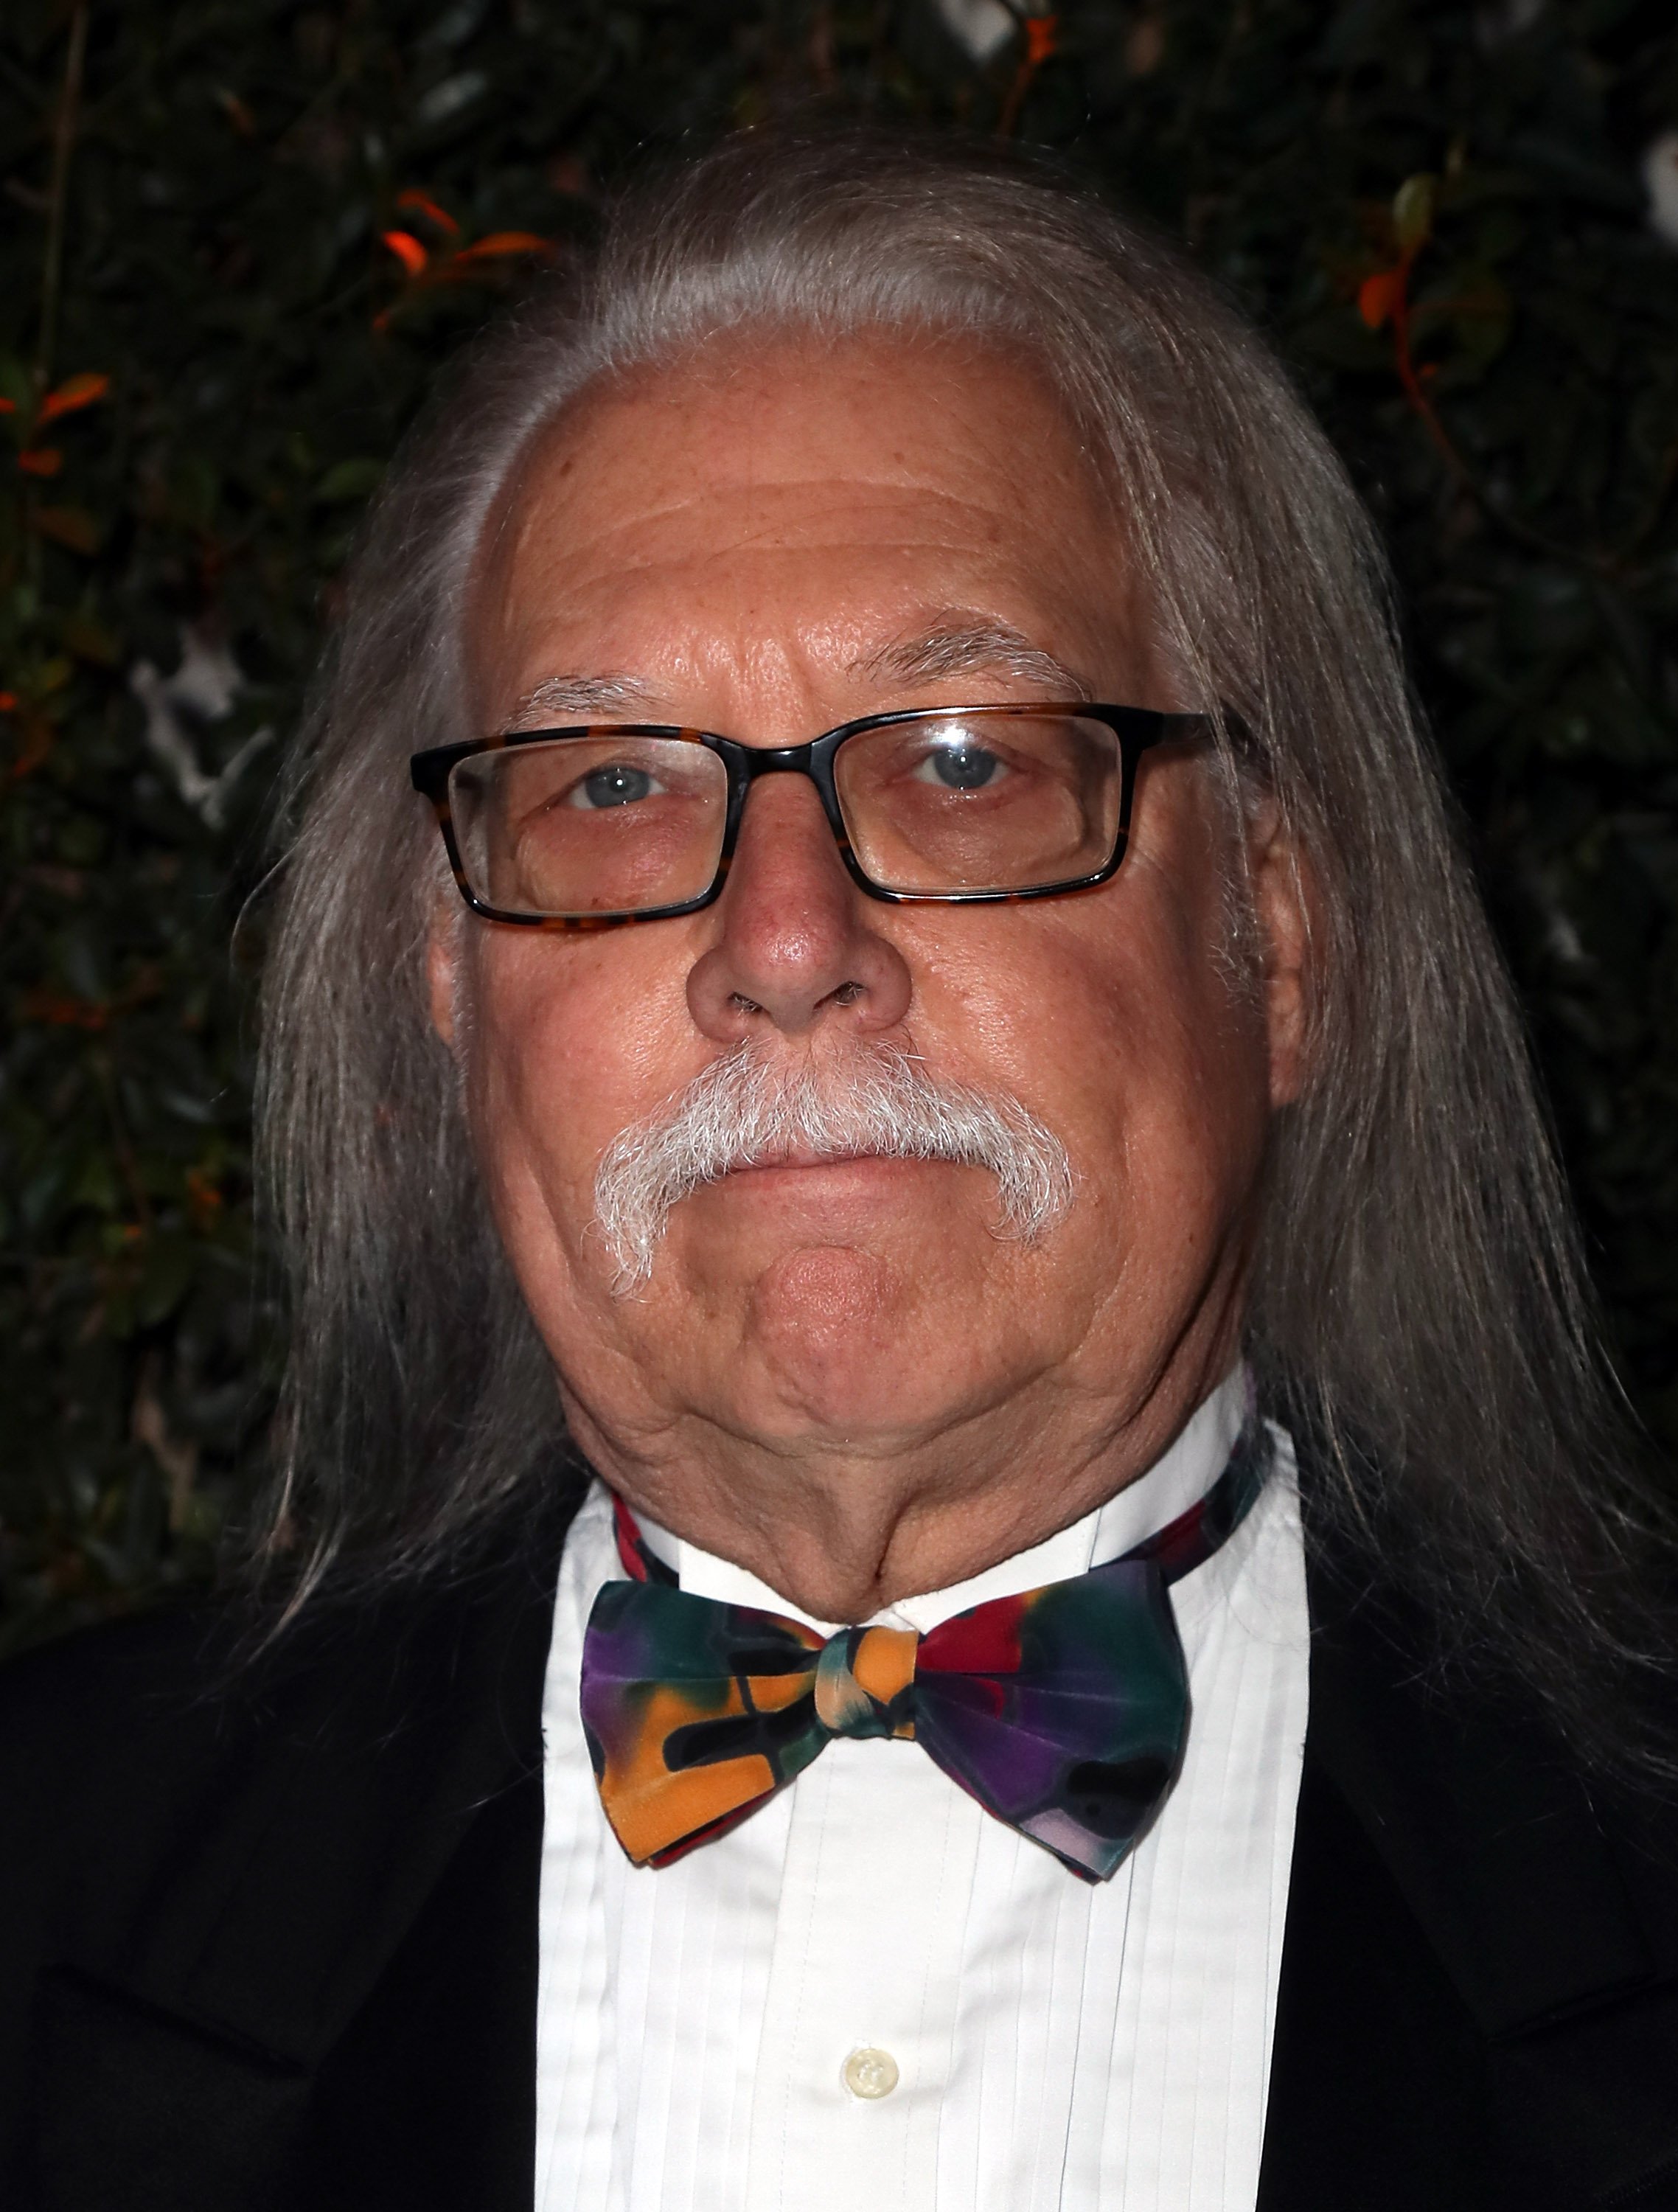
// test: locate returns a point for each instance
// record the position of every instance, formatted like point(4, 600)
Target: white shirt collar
point(1182, 1475)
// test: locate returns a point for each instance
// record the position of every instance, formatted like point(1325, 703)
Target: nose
point(796, 947)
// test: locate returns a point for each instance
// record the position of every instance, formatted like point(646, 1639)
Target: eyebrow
point(576, 694)
point(959, 647)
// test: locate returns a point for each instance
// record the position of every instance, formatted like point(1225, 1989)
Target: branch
point(64, 137)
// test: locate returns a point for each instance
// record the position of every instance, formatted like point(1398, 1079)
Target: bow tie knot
point(865, 1682)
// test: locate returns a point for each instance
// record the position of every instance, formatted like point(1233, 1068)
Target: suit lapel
point(429, 2100)
point(1451, 1893)
point(1377, 2079)
point(1482, 1819)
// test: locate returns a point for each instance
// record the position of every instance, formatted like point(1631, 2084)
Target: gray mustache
point(743, 1111)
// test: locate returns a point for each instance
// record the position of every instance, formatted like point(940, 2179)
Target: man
point(943, 1530)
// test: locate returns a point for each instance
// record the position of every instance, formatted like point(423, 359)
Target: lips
point(802, 1156)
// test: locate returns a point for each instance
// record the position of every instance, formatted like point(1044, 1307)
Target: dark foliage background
point(239, 236)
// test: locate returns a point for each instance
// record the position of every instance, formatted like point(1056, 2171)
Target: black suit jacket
point(268, 1935)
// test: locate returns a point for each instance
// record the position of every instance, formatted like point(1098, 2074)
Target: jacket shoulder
point(233, 1837)
point(80, 1698)
point(118, 1739)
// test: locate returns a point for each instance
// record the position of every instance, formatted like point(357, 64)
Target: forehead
point(794, 508)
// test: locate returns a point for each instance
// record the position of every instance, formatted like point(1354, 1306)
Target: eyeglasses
point(575, 828)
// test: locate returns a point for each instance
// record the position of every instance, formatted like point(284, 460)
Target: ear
point(1282, 901)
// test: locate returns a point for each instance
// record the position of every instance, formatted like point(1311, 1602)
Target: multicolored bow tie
point(1063, 1709)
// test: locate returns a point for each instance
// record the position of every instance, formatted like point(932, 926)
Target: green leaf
point(171, 1262)
point(350, 480)
point(1412, 211)
point(89, 640)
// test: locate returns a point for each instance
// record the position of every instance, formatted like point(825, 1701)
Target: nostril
point(845, 995)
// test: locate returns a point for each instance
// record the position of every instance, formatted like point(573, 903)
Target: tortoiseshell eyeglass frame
point(1136, 728)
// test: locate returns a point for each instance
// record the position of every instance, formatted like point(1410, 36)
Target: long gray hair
point(1419, 1311)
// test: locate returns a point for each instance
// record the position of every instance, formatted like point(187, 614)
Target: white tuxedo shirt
point(873, 1997)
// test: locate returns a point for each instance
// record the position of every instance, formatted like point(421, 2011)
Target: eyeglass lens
point(615, 823)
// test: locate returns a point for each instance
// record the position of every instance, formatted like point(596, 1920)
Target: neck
point(841, 1534)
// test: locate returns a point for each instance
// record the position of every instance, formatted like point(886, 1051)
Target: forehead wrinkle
point(961, 647)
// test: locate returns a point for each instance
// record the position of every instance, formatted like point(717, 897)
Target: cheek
point(1123, 1030)
point(570, 1040)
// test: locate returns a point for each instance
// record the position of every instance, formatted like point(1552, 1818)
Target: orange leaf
point(1380, 294)
point(76, 392)
point(500, 242)
point(69, 526)
point(407, 249)
point(237, 112)
point(60, 1011)
point(422, 205)
point(40, 460)
point(1040, 32)
point(203, 1199)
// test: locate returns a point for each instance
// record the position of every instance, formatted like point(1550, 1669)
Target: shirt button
point(870, 2072)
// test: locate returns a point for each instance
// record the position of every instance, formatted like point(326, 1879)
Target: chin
point(845, 1342)
point(815, 1399)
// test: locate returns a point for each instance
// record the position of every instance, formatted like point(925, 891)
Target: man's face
point(777, 540)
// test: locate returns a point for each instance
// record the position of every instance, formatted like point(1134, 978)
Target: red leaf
point(75, 392)
point(8, 406)
point(418, 200)
point(407, 249)
point(40, 460)
point(505, 242)
point(59, 1011)
point(1040, 34)
point(37, 745)
point(1380, 294)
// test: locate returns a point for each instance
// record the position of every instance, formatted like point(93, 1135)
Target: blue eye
point(615, 785)
point(960, 768)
